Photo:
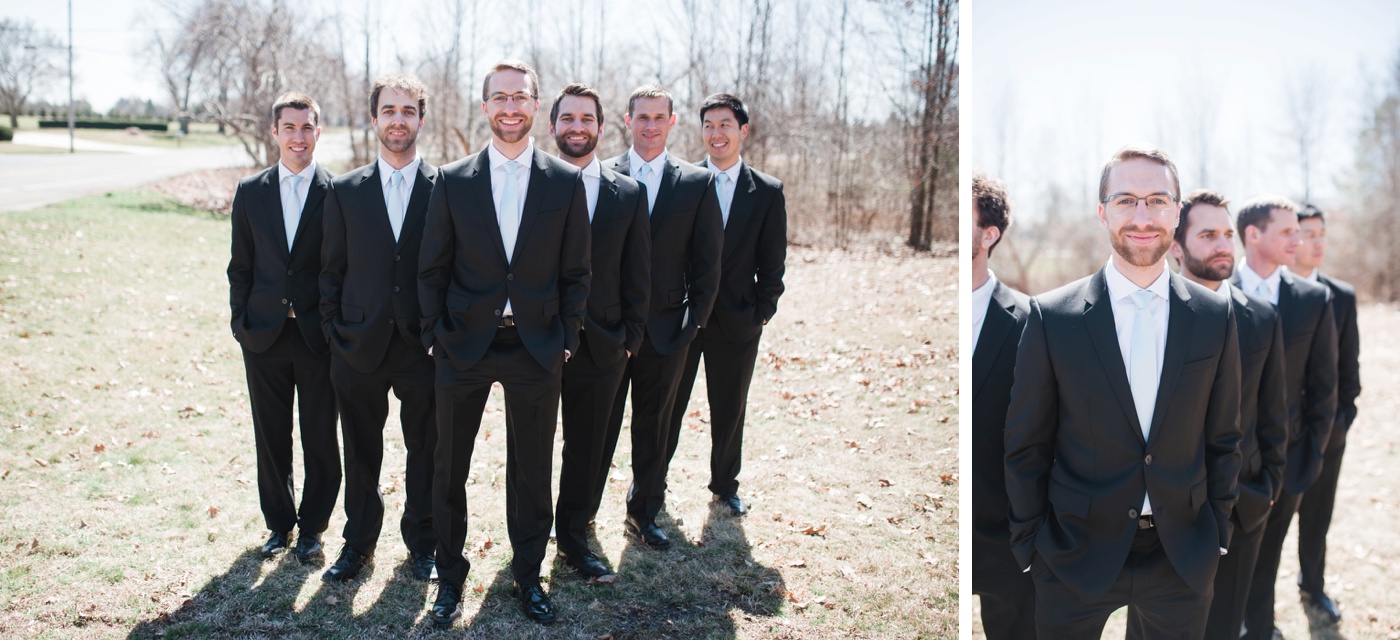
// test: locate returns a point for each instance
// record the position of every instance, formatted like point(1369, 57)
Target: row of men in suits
point(1206, 406)
point(558, 278)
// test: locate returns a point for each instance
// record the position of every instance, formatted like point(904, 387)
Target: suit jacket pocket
point(675, 296)
point(352, 313)
point(552, 213)
point(1068, 502)
point(458, 301)
point(1197, 365)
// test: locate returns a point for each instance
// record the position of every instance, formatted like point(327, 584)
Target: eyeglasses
point(1123, 203)
point(500, 99)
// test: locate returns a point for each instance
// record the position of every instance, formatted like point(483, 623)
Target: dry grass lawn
point(127, 468)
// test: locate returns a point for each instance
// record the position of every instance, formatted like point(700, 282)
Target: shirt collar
point(593, 169)
point(386, 170)
point(982, 296)
point(1119, 286)
point(732, 172)
point(1249, 279)
point(306, 174)
point(497, 158)
point(658, 164)
point(1311, 276)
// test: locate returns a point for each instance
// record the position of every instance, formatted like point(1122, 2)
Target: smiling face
point(1139, 235)
point(1208, 251)
point(1278, 242)
point(575, 127)
point(397, 121)
point(296, 131)
point(510, 118)
point(650, 123)
point(723, 136)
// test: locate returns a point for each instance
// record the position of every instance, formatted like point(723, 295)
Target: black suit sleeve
point(1222, 432)
point(333, 251)
point(575, 266)
point(772, 255)
point(1320, 390)
point(706, 249)
point(240, 264)
point(1348, 361)
point(435, 261)
point(1271, 422)
point(635, 282)
point(1030, 437)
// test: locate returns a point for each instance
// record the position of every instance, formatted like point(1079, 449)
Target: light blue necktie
point(1265, 291)
point(723, 188)
point(1142, 358)
point(508, 217)
point(644, 177)
point(396, 208)
point(291, 210)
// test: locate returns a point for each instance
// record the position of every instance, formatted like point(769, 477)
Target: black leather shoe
point(424, 566)
point(276, 543)
point(448, 606)
point(535, 602)
point(1322, 604)
point(308, 548)
point(650, 534)
point(733, 504)
point(348, 565)
point(589, 567)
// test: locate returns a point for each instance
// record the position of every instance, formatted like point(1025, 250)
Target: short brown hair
point(1257, 212)
point(511, 64)
point(399, 81)
point(1199, 196)
point(993, 205)
point(651, 91)
point(1145, 152)
point(295, 100)
point(581, 90)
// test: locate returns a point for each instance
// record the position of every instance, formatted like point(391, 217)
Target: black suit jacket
point(1263, 408)
point(687, 235)
point(752, 261)
point(464, 279)
point(1348, 359)
point(1310, 362)
point(1077, 465)
point(369, 281)
point(265, 277)
point(621, 287)
point(993, 363)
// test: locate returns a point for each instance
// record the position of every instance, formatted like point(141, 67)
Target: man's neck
point(294, 168)
point(580, 161)
point(511, 150)
point(1140, 276)
point(644, 155)
point(1261, 267)
point(1303, 274)
point(723, 166)
point(979, 272)
point(398, 160)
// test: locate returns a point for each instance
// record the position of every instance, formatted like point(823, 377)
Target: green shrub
point(6, 134)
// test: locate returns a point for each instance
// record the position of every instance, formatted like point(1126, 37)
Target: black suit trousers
point(1160, 604)
point(589, 443)
point(1008, 594)
point(1259, 608)
point(1315, 518)
point(1232, 581)
point(289, 371)
point(728, 375)
point(532, 404)
point(364, 407)
point(654, 378)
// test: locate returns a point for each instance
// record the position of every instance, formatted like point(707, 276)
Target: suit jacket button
point(396, 290)
point(391, 321)
point(498, 313)
point(284, 301)
point(290, 272)
point(1148, 460)
point(396, 258)
point(510, 276)
point(1132, 514)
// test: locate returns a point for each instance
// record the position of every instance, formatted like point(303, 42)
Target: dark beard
point(1202, 269)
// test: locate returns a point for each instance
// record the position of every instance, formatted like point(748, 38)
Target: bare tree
point(1305, 104)
point(26, 64)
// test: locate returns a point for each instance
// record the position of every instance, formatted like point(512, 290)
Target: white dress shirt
point(284, 184)
point(410, 175)
point(981, 301)
point(1249, 282)
point(653, 181)
point(592, 175)
point(1120, 292)
point(725, 189)
point(498, 162)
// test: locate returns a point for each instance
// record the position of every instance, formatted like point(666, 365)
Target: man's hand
point(567, 354)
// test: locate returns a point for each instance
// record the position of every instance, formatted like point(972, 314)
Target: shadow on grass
point(234, 598)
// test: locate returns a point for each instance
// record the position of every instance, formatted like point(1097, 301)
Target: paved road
point(33, 180)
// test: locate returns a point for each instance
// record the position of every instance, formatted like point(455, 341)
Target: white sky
point(1040, 104)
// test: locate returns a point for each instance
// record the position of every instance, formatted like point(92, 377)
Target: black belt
point(1146, 522)
point(507, 322)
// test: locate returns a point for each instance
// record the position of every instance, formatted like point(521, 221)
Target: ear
point(673, 119)
point(1103, 219)
point(990, 235)
point(1176, 251)
point(743, 132)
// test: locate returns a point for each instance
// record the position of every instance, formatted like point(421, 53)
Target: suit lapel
point(1287, 298)
point(995, 327)
point(315, 195)
point(539, 174)
point(1103, 333)
point(607, 203)
point(479, 181)
point(740, 208)
point(1179, 322)
point(670, 175)
point(417, 202)
point(371, 188)
point(620, 165)
point(272, 193)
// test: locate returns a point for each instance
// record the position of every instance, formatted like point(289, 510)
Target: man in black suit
point(754, 214)
point(1122, 437)
point(1269, 225)
point(503, 280)
point(612, 328)
point(998, 317)
point(369, 310)
point(1204, 246)
point(687, 234)
point(276, 256)
point(1315, 510)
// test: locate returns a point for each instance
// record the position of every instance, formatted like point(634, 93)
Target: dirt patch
point(208, 190)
